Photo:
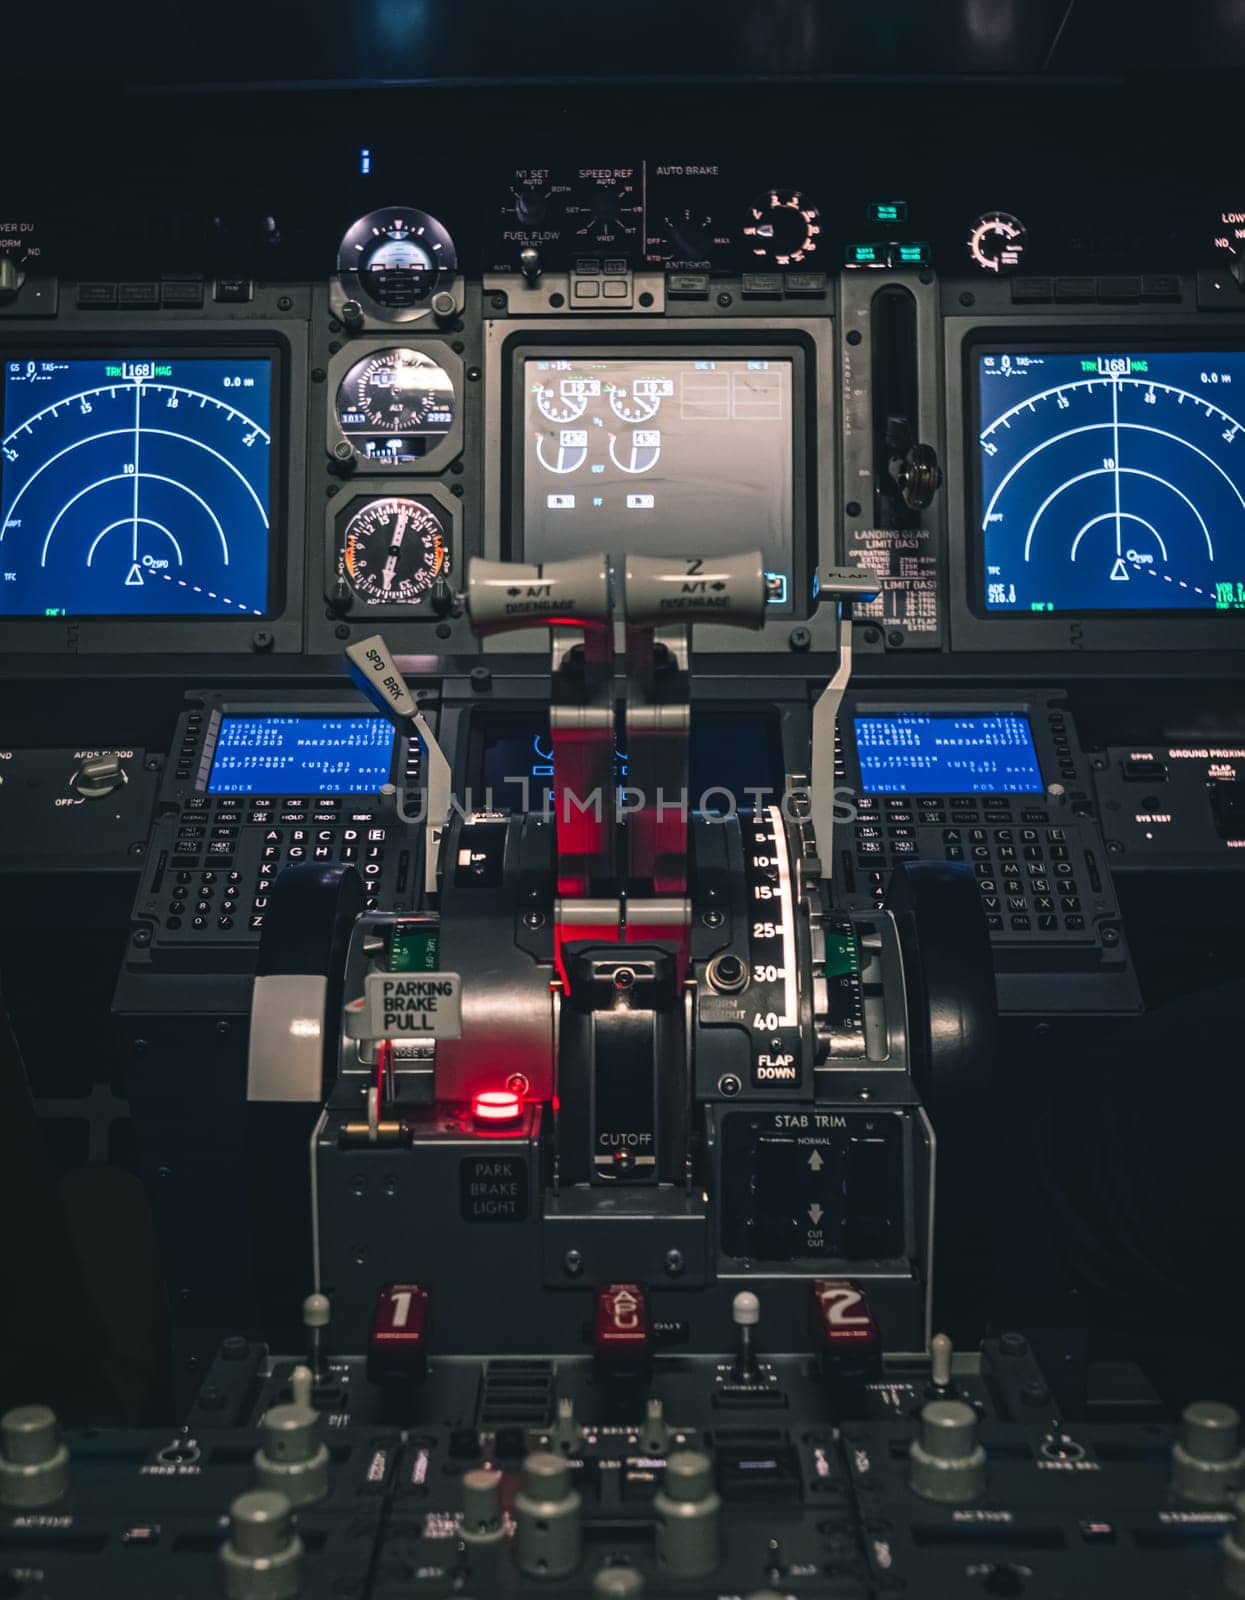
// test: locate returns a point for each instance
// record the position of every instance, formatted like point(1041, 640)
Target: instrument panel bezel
point(280, 629)
point(808, 342)
point(1058, 328)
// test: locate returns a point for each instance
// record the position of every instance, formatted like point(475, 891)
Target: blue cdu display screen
point(301, 755)
point(944, 753)
point(136, 485)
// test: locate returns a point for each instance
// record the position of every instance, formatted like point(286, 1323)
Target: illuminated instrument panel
point(612, 687)
point(136, 485)
point(1110, 482)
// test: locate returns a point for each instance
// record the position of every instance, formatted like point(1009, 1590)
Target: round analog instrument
point(395, 405)
point(639, 400)
point(996, 241)
point(394, 550)
point(564, 396)
point(782, 226)
point(395, 258)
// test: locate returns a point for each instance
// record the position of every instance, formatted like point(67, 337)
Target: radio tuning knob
point(34, 1464)
point(482, 1522)
point(947, 1462)
point(293, 1459)
point(1207, 1460)
point(549, 1535)
point(262, 1559)
point(688, 1542)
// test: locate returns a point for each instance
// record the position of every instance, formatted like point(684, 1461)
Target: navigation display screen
point(301, 755)
point(946, 753)
point(135, 485)
point(651, 455)
point(1111, 480)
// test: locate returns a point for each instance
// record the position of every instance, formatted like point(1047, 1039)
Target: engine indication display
point(1112, 481)
point(135, 485)
point(394, 406)
point(658, 455)
point(394, 550)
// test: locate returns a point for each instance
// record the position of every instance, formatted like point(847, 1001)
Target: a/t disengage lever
point(375, 672)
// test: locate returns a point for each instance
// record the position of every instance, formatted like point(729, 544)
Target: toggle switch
point(745, 1314)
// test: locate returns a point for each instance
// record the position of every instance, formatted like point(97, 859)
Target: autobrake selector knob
point(98, 776)
point(549, 1536)
point(946, 1462)
point(688, 1505)
point(293, 1459)
point(262, 1559)
point(34, 1464)
point(1207, 1460)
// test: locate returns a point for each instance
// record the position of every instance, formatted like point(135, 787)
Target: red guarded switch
point(622, 1335)
point(397, 1346)
point(845, 1331)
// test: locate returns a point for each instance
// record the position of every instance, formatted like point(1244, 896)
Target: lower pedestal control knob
point(618, 1583)
point(293, 1459)
point(689, 1541)
point(262, 1559)
point(34, 1464)
point(946, 1462)
point(549, 1535)
point(482, 1522)
point(1208, 1464)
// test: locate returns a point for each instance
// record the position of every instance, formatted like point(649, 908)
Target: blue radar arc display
point(1112, 482)
point(136, 486)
